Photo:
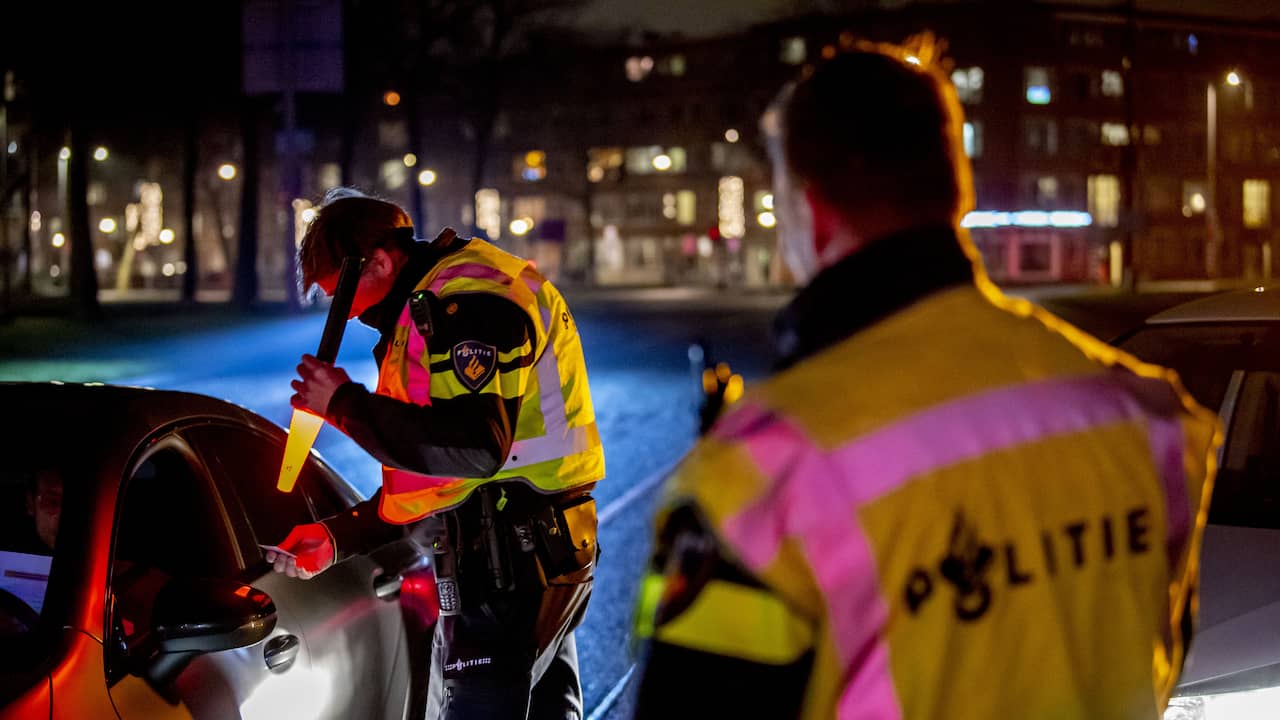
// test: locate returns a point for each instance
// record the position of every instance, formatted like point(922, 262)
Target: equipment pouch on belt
point(566, 536)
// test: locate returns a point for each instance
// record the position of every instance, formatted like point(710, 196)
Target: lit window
point(638, 68)
point(1115, 134)
point(732, 210)
point(531, 166)
point(1046, 191)
point(1112, 83)
point(488, 212)
point(1104, 200)
point(604, 164)
point(973, 139)
point(652, 159)
point(968, 82)
point(1257, 203)
point(686, 207)
point(1193, 198)
point(794, 51)
point(1038, 88)
point(394, 174)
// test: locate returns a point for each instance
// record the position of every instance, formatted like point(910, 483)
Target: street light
point(108, 225)
point(662, 163)
point(227, 171)
point(1213, 247)
point(427, 178)
point(100, 154)
point(410, 159)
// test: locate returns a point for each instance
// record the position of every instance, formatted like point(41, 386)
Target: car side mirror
point(192, 616)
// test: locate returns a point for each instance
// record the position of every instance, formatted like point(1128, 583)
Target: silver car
point(132, 584)
point(1227, 350)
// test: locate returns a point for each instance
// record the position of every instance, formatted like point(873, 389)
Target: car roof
point(41, 410)
point(1254, 305)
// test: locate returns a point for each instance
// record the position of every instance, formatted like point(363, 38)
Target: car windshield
point(1233, 368)
point(30, 510)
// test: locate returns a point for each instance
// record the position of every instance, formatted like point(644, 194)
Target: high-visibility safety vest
point(556, 443)
point(966, 510)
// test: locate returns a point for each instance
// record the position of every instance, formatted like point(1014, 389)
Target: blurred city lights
point(54, 271)
point(168, 270)
point(662, 162)
point(227, 171)
point(731, 135)
point(766, 201)
point(166, 236)
point(107, 225)
point(13, 147)
point(140, 243)
point(1233, 78)
point(766, 219)
point(913, 59)
point(410, 159)
point(308, 215)
point(100, 154)
point(391, 98)
point(59, 240)
point(427, 178)
point(35, 221)
point(521, 226)
point(64, 153)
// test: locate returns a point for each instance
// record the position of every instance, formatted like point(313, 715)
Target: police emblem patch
point(474, 363)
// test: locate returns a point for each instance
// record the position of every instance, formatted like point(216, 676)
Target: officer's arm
point(360, 530)
point(722, 644)
point(468, 428)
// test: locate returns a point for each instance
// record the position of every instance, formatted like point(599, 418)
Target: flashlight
point(304, 426)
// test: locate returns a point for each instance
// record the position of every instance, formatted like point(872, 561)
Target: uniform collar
point(885, 276)
point(422, 257)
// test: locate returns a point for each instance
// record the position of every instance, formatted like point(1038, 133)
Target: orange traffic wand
point(304, 426)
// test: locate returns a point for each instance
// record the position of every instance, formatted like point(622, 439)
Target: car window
point(248, 463)
point(169, 523)
point(30, 511)
point(1247, 489)
point(1207, 357)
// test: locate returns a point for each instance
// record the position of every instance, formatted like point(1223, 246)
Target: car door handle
point(387, 586)
point(280, 652)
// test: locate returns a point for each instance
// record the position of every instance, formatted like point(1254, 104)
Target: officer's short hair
point(878, 126)
point(348, 222)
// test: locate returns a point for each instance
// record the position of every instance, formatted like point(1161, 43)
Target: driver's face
point(46, 506)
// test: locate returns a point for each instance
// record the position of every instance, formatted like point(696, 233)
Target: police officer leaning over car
point(483, 422)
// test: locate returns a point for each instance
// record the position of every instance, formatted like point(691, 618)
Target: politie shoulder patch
point(474, 363)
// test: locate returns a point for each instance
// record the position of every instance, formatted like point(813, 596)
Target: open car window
point(170, 523)
point(31, 500)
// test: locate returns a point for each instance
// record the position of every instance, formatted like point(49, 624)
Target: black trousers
point(508, 654)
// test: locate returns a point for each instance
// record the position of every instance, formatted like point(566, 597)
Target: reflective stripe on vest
point(556, 442)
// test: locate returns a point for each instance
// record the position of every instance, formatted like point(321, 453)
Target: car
point(150, 597)
point(1226, 348)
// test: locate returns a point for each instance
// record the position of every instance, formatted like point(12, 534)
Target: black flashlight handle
point(339, 309)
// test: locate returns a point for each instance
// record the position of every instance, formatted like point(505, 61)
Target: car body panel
point(352, 659)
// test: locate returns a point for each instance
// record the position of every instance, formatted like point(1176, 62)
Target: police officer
point(483, 422)
point(945, 501)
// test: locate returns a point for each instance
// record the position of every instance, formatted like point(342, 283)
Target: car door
point(355, 637)
point(172, 521)
point(1240, 590)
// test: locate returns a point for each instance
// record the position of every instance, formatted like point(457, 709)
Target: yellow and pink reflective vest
point(556, 444)
point(968, 509)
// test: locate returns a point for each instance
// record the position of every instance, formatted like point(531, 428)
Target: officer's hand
point(317, 384)
point(313, 546)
